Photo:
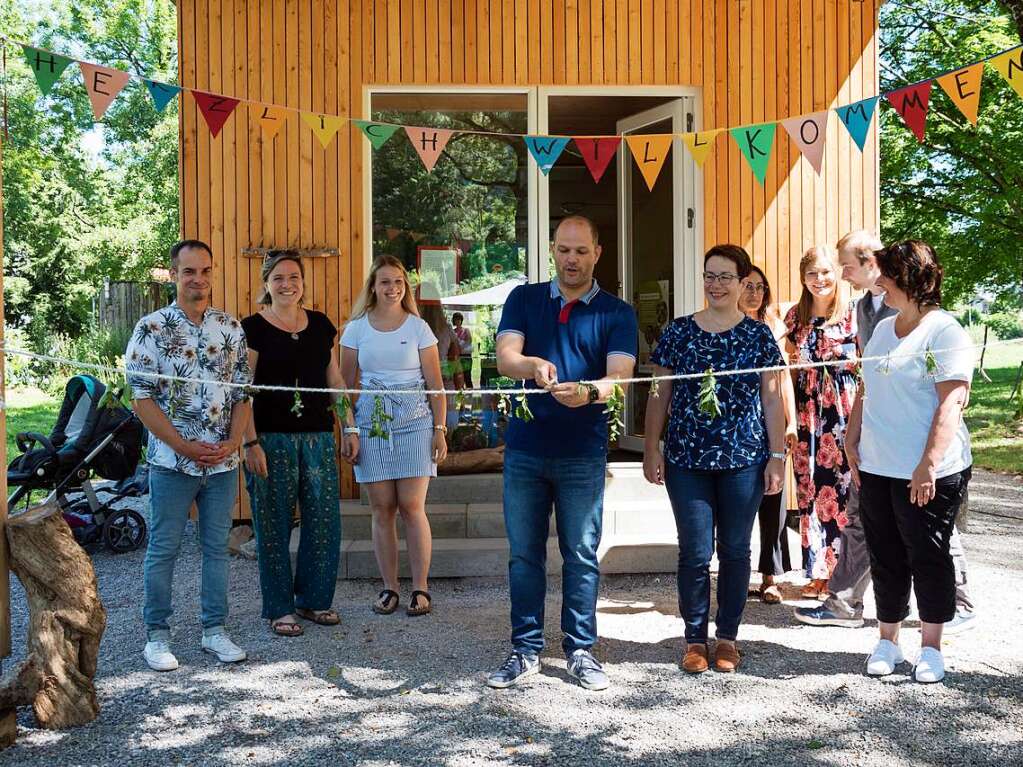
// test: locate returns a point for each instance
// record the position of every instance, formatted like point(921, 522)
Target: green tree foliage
point(962, 189)
point(75, 216)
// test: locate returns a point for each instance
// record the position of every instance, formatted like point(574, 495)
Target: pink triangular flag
point(102, 84)
point(809, 132)
point(429, 143)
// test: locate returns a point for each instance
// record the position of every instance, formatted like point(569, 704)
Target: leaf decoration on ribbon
point(379, 419)
point(856, 118)
point(809, 133)
point(614, 410)
point(912, 104)
point(296, 402)
point(755, 142)
point(376, 133)
point(215, 109)
point(46, 66)
point(649, 152)
point(597, 153)
point(709, 404)
point(546, 150)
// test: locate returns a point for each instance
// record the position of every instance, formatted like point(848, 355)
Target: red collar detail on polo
point(567, 310)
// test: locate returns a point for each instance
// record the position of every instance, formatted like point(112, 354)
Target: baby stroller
point(89, 438)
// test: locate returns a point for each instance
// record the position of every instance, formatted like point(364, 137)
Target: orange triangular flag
point(270, 118)
point(699, 144)
point(650, 152)
point(429, 143)
point(102, 84)
point(1010, 66)
point(324, 126)
point(963, 87)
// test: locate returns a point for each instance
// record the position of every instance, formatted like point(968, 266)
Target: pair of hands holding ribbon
point(569, 394)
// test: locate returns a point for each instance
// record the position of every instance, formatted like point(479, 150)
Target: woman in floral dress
point(822, 328)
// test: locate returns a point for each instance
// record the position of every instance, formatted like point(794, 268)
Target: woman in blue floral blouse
point(724, 448)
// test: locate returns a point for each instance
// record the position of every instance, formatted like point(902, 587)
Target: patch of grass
point(29, 409)
point(997, 439)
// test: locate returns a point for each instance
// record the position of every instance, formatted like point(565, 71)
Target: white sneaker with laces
point(885, 657)
point(222, 646)
point(159, 657)
point(930, 666)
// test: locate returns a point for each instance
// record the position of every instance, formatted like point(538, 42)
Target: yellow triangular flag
point(700, 144)
point(270, 118)
point(650, 152)
point(1010, 66)
point(324, 126)
point(963, 87)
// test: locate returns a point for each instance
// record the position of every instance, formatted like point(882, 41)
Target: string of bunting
point(755, 141)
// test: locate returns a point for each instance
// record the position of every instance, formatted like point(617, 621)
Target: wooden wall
point(755, 60)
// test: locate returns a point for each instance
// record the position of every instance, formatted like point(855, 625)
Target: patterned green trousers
point(302, 470)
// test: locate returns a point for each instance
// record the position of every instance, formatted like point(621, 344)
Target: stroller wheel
point(124, 530)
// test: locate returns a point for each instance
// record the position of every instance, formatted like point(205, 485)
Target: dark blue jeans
point(705, 501)
point(575, 488)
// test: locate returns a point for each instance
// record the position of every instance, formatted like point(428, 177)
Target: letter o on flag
point(803, 132)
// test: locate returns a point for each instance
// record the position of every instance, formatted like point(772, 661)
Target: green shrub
point(970, 316)
point(1005, 325)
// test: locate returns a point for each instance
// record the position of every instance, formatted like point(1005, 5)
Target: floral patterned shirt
point(738, 437)
point(167, 342)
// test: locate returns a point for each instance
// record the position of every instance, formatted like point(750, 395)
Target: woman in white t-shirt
point(910, 454)
point(387, 346)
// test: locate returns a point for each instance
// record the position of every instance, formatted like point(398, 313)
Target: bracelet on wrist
point(351, 430)
point(250, 444)
point(440, 427)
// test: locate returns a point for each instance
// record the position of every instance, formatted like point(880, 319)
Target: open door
point(659, 238)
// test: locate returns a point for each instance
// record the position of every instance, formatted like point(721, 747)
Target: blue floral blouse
point(738, 437)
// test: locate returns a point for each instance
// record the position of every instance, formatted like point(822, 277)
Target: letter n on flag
point(1010, 66)
point(597, 153)
point(215, 109)
point(912, 103)
point(429, 143)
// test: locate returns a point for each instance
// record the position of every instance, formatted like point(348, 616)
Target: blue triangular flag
point(546, 150)
point(162, 93)
point(856, 118)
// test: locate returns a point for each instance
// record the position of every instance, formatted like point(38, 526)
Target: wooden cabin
point(567, 67)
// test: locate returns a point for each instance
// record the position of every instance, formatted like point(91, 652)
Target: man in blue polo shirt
point(553, 335)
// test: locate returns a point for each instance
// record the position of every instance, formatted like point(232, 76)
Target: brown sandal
point(320, 617)
point(285, 628)
point(770, 594)
point(414, 606)
point(387, 602)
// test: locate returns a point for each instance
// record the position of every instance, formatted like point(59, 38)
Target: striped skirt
point(407, 450)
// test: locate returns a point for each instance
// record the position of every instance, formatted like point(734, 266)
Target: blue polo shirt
point(576, 337)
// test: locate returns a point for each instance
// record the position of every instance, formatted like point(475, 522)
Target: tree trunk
point(66, 620)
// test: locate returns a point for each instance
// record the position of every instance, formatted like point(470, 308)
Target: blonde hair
point(861, 243)
point(270, 262)
point(368, 298)
point(839, 304)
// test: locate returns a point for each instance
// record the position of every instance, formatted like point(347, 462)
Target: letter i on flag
point(755, 142)
point(856, 118)
point(963, 87)
point(546, 150)
point(324, 126)
point(215, 109)
point(102, 84)
point(46, 66)
point(700, 143)
point(429, 143)
point(161, 93)
point(649, 152)
point(597, 153)
point(912, 103)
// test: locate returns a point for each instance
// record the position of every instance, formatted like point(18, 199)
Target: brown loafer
point(695, 659)
point(726, 657)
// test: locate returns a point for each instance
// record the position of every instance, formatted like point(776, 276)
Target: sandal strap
point(388, 595)
point(418, 593)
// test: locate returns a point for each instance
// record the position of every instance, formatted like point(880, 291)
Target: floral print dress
point(824, 399)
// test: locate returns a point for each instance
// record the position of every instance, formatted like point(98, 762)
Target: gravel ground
point(390, 690)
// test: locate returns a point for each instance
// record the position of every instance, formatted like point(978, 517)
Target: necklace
point(294, 333)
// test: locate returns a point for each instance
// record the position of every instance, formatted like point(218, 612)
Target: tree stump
point(66, 621)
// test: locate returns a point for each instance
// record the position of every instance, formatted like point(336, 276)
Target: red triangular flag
point(912, 104)
point(597, 153)
point(216, 109)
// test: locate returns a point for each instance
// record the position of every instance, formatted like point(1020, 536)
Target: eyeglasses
point(724, 279)
point(754, 287)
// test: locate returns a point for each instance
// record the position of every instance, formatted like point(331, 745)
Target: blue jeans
point(171, 494)
point(702, 501)
point(575, 487)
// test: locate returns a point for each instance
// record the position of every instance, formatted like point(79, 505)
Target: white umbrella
point(495, 295)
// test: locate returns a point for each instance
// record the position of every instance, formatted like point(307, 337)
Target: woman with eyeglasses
point(822, 328)
point(723, 450)
point(755, 301)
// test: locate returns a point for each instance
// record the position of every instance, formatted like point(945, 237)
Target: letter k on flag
point(755, 142)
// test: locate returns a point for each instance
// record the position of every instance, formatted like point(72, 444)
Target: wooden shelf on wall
point(303, 252)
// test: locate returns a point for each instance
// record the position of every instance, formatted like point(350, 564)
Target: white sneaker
point(159, 657)
point(222, 646)
point(885, 657)
point(930, 666)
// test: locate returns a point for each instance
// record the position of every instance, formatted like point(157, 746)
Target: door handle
point(690, 217)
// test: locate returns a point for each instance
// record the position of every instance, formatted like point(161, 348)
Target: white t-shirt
point(901, 397)
point(391, 357)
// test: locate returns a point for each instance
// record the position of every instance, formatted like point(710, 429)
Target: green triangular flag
point(48, 67)
point(377, 133)
point(755, 142)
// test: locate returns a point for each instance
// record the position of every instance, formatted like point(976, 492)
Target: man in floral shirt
point(195, 430)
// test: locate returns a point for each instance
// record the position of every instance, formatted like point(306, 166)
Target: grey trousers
point(851, 578)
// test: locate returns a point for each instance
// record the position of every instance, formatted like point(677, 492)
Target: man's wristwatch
point(592, 393)
point(780, 456)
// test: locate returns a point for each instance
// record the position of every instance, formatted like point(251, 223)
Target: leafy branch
point(379, 419)
point(708, 396)
point(615, 408)
point(296, 403)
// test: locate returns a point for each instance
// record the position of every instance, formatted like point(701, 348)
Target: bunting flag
point(856, 118)
point(47, 67)
point(377, 133)
point(755, 142)
point(270, 119)
point(597, 153)
point(699, 144)
point(650, 152)
point(215, 109)
point(102, 84)
point(809, 133)
point(324, 126)
point(546, 150)
point(912, 103)
point(963, 87)
point(1010, 66)
point(161, 93)
point(429, 143)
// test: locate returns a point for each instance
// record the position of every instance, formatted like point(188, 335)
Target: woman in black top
point(294, 457)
